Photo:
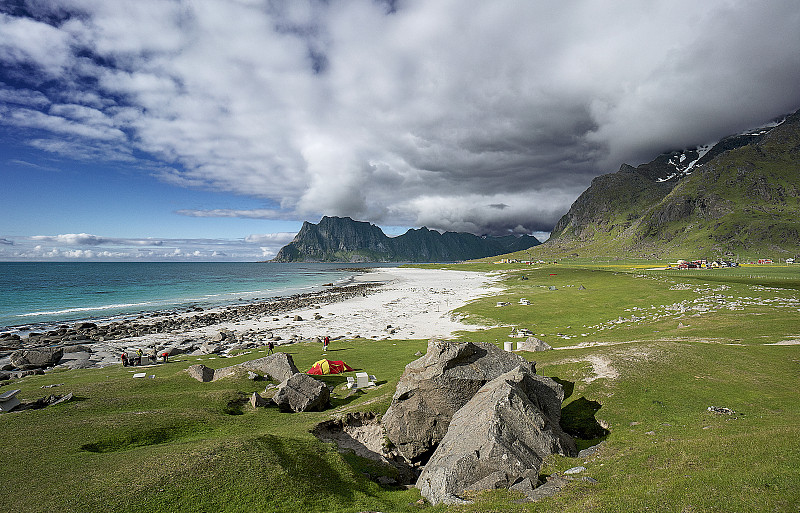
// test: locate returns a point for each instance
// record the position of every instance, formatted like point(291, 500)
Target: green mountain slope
point(743, 199)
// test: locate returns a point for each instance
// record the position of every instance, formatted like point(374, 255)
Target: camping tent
point(329, 367)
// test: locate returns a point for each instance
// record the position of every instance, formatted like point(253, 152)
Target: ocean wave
point(85, 309)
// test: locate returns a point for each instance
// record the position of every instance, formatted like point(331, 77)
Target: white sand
point(416, 303)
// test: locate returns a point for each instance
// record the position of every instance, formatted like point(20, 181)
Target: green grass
point(175, 444)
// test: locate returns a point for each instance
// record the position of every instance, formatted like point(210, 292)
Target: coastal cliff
point(341, 239)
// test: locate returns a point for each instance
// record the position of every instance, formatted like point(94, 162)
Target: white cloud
point(85, 239)
point(425, 115)
point(282, 238)
point(86, 246)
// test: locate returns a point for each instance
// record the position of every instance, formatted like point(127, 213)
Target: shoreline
point(384, 303)
point(181, 306)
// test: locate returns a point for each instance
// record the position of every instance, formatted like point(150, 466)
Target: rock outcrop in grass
point(499, 438)
point(435, 386)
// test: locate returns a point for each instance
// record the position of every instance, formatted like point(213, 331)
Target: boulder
point(256, 401)
point(434, 387)
point(533, 344)
point(172, 351)
point(499, 438)
point(201, 373)
point(209, 348)
point(301, 392)
point(77, 348)
point(279, 367)
point(36, 357)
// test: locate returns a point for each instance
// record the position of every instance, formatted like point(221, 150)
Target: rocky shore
point(85, 337)
point(391, 303)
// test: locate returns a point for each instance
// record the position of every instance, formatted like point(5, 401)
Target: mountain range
point(739, 197)
point(341, 239)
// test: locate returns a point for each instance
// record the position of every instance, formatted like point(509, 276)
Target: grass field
point(642, 353)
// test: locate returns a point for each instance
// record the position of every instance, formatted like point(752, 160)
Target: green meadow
point(642, 355)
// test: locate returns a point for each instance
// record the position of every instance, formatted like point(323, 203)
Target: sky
point(212, 129)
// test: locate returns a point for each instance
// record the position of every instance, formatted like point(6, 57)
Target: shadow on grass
point(568, 387)
point(130, 439)
point(578, 420)
point(236, 406)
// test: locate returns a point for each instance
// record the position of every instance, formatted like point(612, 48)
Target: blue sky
point(177, 130)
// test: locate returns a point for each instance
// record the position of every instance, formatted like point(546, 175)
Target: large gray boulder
point(301, 392)
point(201, 373)
point(533, 344)
point(498, 438)
point(279, 367)
point(437, 385)
point(36, 357)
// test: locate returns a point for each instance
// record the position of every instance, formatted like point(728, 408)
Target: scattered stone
point(301, 392)
point(721, 411)
point(575, 470)
point(500, 436)
point(253, 376)
point(434, 387)
point(552, 486)
point(297, 318)
point(585, 453)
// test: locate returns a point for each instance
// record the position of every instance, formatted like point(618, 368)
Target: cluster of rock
point(474, 417)
point(297, 391)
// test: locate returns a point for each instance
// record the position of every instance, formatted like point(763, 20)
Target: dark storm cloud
point(400, 113)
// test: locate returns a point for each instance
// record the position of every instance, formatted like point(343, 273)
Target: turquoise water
point(35, 294)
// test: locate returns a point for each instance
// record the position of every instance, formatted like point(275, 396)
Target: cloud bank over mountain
point(487, 117)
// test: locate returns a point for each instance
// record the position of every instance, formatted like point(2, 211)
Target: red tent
point(329, 367)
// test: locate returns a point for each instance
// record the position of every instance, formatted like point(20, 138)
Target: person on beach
point(270, 347)
point(139, 356)
point(325, 341)
point(164, 356)
point(124, 359)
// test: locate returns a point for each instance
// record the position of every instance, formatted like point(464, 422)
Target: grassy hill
point(642, 352)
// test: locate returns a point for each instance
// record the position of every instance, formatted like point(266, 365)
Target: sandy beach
point(409, 304)
point(401, 303)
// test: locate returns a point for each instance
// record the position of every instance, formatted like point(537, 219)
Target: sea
point(37, 296)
